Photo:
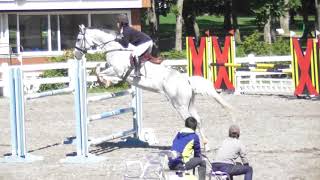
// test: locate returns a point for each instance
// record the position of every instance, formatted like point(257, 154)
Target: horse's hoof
point(206, 148)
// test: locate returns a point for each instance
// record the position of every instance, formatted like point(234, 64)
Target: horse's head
point(89, 39)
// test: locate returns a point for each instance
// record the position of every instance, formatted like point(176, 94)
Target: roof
point(38, 5)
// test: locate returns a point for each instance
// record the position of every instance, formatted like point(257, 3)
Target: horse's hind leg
point(194, 113)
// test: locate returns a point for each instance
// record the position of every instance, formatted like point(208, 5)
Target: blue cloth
point(132, 36)
point(185, 144)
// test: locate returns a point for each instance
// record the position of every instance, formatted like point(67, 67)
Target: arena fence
point(296, 74)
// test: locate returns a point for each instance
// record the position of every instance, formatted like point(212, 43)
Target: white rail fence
point(256, 82)
point(33, 80)
point(264, 82)
point(246, 82)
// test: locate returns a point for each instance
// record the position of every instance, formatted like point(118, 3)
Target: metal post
point(18, 139)
point(80, 100)
point(137, 112)
point(5, 77)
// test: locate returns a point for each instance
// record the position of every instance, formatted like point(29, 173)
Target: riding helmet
point(123, 19)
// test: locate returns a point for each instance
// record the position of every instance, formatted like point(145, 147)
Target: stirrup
point(137, 74)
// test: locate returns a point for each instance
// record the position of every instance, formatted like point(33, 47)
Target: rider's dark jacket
point(185, 144)
point(130, 35)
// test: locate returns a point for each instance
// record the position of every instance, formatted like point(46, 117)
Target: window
point(106, 21)
point(12, 22)
point(69, 29)
point(34, 32)
point(54, 32)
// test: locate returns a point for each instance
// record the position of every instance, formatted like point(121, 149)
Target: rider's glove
point(119, 37)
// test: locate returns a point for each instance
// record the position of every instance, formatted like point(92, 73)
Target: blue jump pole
point(82, 119)
point(137, 112)
point(48, 93)
point(110, 113)
point(18, 138)
point(81, 113)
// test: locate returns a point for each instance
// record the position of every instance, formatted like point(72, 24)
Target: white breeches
point(140, 49)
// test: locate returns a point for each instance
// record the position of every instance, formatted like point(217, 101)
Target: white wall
point(67, 4)
point(4, 34)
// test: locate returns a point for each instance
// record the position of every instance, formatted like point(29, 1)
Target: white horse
point(178, 88)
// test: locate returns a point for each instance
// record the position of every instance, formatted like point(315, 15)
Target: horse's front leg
point(106, 77)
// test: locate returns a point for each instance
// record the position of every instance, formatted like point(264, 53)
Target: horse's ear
point(81, 28)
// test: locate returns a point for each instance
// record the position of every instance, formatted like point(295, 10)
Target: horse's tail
point(203, 86)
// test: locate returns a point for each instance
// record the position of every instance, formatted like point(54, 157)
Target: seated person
point(227, 154)
point(185, 144)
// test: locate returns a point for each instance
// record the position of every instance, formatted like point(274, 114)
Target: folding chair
point(218, 175)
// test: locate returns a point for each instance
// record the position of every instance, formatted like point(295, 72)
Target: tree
point(231, 19)
point(267, 11)
point(153, 17)
point(158, 7)
point(285, 18)
point(179, 24)
point(308, 6)
point(317, 3)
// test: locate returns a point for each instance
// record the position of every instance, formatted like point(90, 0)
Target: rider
point(141, 42)
point(185, 144)
point(227, 154)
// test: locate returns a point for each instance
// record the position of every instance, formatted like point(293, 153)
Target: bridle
point(84, 40)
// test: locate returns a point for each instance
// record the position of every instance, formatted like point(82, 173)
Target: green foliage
point(96, 57)
point(265, 9)
point(295, 4)
point(52, 73)
point(173, 54)
point(253, 44)
point(281, 47)
point(174, 10)
point(68, 54)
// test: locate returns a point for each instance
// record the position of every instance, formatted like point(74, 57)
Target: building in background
point(37, 29)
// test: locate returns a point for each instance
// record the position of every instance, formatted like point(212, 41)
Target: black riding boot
point(202, 173)
point(137, 64)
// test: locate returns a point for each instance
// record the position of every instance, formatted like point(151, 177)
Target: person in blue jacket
point(185, 144)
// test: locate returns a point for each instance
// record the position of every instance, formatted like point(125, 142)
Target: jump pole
point(82, 119)
point(81, 113)
point(19, 152)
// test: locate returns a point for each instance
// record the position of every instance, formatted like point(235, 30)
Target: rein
point(85, 50)
point(114, 50)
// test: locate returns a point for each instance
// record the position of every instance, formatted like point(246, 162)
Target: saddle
point(148, 57)
point(144, 58)
point(136, 64)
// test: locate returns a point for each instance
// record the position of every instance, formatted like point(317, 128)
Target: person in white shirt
point(229, 151)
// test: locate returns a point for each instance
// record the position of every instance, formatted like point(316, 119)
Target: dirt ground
point(281, 134)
